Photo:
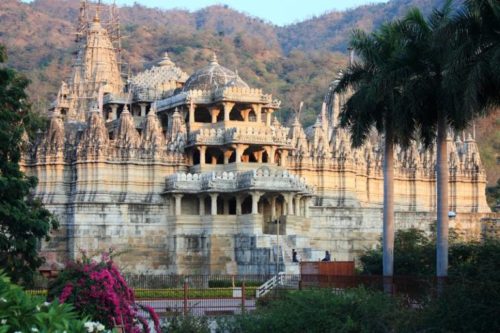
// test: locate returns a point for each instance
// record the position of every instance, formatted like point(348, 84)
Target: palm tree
point(475, 59)
point(431, 101)
point(374, 103)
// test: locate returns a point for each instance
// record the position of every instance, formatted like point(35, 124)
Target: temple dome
point(160, 78)
point(213, 76)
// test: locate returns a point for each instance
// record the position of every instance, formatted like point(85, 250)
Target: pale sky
point(279, 12)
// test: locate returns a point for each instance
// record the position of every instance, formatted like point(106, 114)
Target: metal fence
point(214, 295)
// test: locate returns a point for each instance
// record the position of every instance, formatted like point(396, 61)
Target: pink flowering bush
point(98, 290)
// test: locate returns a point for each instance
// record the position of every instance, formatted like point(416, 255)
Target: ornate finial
point(96, 17)
point(214, 58)
point(165, 61)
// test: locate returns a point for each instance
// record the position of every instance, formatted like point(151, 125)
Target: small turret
point(127, 136)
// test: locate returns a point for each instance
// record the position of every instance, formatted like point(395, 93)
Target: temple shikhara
point(193, 173)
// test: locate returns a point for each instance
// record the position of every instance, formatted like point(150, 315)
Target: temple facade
point(192, 174)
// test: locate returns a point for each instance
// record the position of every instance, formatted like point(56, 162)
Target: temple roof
point(154, 78)
point(213, 76)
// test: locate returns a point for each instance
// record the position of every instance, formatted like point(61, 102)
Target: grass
point(174, 293)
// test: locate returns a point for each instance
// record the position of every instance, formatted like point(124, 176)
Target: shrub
point(186, 324)
point(98, 290)
point(356, 310)
point(20, 312)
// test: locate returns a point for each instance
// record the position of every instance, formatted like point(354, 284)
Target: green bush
point(20, 312)
point(186, 324)
point(356, 310)
point(463, 307)
point(192, 293)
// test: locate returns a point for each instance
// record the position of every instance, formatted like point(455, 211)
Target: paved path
point(199, 307)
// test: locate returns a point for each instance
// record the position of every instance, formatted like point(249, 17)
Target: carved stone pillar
point(258, 112)
point(143, 109)
point(201, 200)
point(307, 201)
point(178, 204)
point(214, 112)
point(213, 201)
point(114, 112)
point(284, 157)
point(289, 202)
point(239, 152)
point(255, 202)
point(202, 150)
point(273, 207)
point(228, 106)
point(272, 151)
point(191, 113)
point(238, 204)
point(227, 155)
point(297, 205)
point(259, 156)
point(269, 115)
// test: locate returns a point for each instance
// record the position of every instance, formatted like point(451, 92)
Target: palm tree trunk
point(442, 200)
point(388, 218)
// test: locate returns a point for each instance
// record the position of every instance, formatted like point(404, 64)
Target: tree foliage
point(357, 310)
point(23, 220)
point(20, 312)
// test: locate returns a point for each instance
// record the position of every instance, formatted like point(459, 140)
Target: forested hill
point(295, 62)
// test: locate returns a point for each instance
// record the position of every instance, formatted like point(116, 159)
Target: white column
point(143, 109)
point(273, 207)
point(238, 204)
point(289, 201)
point(201, 199)
point(114, 112)
point(191, 113)
point(297, 205)
point(255, 202)
point(213, 201)
point(306, 206)
point(178, 204)
point(202, 150)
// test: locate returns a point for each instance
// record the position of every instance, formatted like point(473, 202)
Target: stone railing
point(248, 95)
point(245, 134)
point(263, 179)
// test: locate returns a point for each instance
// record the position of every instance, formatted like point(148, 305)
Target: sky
point(279, 12)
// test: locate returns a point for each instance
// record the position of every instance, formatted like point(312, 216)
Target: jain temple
point(193, 173)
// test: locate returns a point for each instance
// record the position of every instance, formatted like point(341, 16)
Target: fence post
point(243, 297)
point(300, 284)
point(185, 298)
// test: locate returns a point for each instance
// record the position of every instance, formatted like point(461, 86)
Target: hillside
point(295, 63)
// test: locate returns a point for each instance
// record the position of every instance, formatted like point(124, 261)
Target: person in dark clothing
point(294, 256)
point(327, 256)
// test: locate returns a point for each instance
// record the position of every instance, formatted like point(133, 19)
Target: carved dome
point(213, 76)
point(165, 72)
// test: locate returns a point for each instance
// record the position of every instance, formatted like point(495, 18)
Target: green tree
point(374, 103)
point(430, 103)
point(451, 78)
point(23, 220)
